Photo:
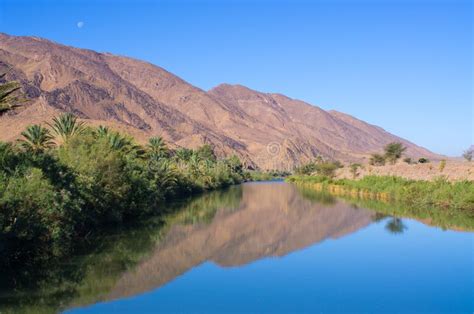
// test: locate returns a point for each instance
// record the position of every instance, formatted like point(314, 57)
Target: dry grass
point(453, 171)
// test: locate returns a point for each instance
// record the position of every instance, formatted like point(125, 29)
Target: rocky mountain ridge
point(269, 131)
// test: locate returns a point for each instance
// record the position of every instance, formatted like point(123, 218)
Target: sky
point(406, 66)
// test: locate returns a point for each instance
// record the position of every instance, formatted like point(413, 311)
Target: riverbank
point(88, 275)
point(440, 193)
point(231, 229)
point(62, 183)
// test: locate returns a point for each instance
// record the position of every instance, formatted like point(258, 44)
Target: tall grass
point(415, 193)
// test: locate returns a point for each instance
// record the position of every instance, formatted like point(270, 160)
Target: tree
point(8, 158)
point(354, 168)
point(395, 226)
point(206, 152)
point(469, 154)
point(9, 99)
point(183, 154)
point(66, 126)
point(328, 169)
point(394, 151)
point(164, 176)
point(157, 148)
point(234, 164)
point(377, 160)
point(36, 139)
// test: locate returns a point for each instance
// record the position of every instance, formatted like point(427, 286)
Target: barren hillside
point(266, 130)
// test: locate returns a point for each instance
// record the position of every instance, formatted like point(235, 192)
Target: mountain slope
point(266, 130)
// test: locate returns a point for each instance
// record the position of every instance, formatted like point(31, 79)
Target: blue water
point(366, 270)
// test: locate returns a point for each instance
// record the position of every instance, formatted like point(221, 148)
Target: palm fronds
point(8, 98)
point(66, 126)
point(36, 139)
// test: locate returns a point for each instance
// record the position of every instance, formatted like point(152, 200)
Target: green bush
point(327, 169)
point(306, 169)
point(423, 160)
point(319, 166)
point(377, 160)
point(58, 194)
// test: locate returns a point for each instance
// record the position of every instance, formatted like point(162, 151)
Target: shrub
point(53, 195)
point(354, 168)
point(377, 160)
point(442, 165)
point(423, 160)
point(306, 169)
point(101, 174)
point(328, 169)
point(407, 160)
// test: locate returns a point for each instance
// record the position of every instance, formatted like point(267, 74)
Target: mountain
point(266, 130)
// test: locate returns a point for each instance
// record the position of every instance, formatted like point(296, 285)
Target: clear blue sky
point(404, 65)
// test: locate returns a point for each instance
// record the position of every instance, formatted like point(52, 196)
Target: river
point(266, 247)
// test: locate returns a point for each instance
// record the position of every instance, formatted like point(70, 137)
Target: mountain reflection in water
point(266, 240)
point(270, 220)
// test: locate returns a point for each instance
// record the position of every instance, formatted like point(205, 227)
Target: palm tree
point(199, 167)
point(36, 139)
point(117, 141)
point(67, 126)
point(183, 154)
point(122, 143)
point(102, 131)
point(165, 176)
point(8, 98)
point(157, 148)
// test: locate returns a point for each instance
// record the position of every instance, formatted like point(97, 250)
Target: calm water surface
point(267, 248)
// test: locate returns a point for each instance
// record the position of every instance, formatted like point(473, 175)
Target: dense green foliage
point(90, 275)
point(416, 193)
point(52, 194)
point(265, 175)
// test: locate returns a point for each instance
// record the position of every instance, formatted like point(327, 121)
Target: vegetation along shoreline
point(61, 183)
point(445, 201)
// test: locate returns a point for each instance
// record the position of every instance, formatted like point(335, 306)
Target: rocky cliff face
point(266, 130)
